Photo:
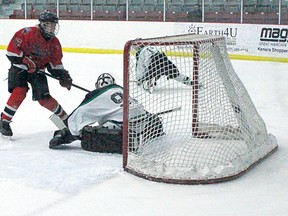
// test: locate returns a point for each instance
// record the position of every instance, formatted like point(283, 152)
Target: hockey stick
point(76, 86)
point(60, 125)
point(168, 111)
point(143, 116)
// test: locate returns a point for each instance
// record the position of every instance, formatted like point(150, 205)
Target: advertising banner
point(244, 39)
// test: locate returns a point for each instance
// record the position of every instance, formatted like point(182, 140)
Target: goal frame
point(195, 132)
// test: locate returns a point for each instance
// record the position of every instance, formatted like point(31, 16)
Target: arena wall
point(244, 41)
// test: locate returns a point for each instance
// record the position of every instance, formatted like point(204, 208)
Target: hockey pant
point(159, 66)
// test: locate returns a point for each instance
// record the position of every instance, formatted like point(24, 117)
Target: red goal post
point(217, 134)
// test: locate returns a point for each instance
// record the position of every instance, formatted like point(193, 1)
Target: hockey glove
point(32, 67)
point(65, 80)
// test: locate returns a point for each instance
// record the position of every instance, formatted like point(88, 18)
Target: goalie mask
point(48, 24)
point(103, 80)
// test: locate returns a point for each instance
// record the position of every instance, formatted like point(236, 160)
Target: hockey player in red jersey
point(30, 51)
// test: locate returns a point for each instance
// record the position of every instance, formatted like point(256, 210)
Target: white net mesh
point(214, 132)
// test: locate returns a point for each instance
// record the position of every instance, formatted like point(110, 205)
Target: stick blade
point(57, 121)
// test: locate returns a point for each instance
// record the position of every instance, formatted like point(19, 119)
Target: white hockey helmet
point(103, 80)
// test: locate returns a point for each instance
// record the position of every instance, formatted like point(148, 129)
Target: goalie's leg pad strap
point(101, 140)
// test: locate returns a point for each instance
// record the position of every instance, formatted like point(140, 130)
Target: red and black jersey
point(29, 42)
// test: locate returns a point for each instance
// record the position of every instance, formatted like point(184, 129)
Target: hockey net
point(212, 130)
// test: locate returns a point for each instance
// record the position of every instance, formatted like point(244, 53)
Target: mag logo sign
point(273, 40)
point(274, 35)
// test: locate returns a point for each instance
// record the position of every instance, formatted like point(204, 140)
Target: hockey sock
point(14, 102)
point(52, 105)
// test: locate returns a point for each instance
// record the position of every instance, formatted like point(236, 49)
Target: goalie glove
point(65, 80)
point(32, 67)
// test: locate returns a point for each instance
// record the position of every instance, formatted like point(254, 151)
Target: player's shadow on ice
point(67, 147)
point(76, 145)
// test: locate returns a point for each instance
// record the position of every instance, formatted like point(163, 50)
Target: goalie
point(151, 64)
point(104, 106)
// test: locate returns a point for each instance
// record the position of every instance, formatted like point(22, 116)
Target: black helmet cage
point(49, 24)
point(103, 80)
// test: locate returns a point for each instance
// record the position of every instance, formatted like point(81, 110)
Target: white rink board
point(242, 39)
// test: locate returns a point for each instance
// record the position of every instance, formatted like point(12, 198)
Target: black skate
point(5, 128)
point(61, 137)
